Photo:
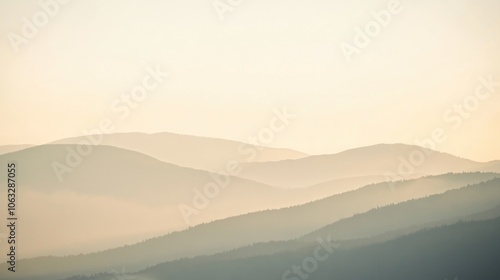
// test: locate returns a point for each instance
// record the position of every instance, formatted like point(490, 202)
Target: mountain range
point(156, 204)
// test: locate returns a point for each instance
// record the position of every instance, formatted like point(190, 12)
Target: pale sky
point(226, 77)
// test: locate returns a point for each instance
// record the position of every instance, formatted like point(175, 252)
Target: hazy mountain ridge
point(206, 153)
point(390, 160)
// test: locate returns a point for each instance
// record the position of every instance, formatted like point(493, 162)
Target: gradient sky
point(227, 76)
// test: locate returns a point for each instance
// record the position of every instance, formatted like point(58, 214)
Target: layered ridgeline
point(247, 229)
point(100, 188)
point(79, 200)
point(211, 154)
point(113, 196)
point(288, 168)
point(400, 233)
point(465, 250)
point(394, 161)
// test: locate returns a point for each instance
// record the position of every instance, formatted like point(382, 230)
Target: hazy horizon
point(232, 139)
point(227, 76)
point(55, 141)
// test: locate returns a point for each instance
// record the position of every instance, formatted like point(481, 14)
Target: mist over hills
point(98, 197)
point(101, 192)
point(392, 221)
point(134, 189)
point(283, 224)
point(446, 209)
point(249, 140)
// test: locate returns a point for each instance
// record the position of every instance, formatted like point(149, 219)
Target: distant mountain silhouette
point(383, 159)
point(211, 154)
